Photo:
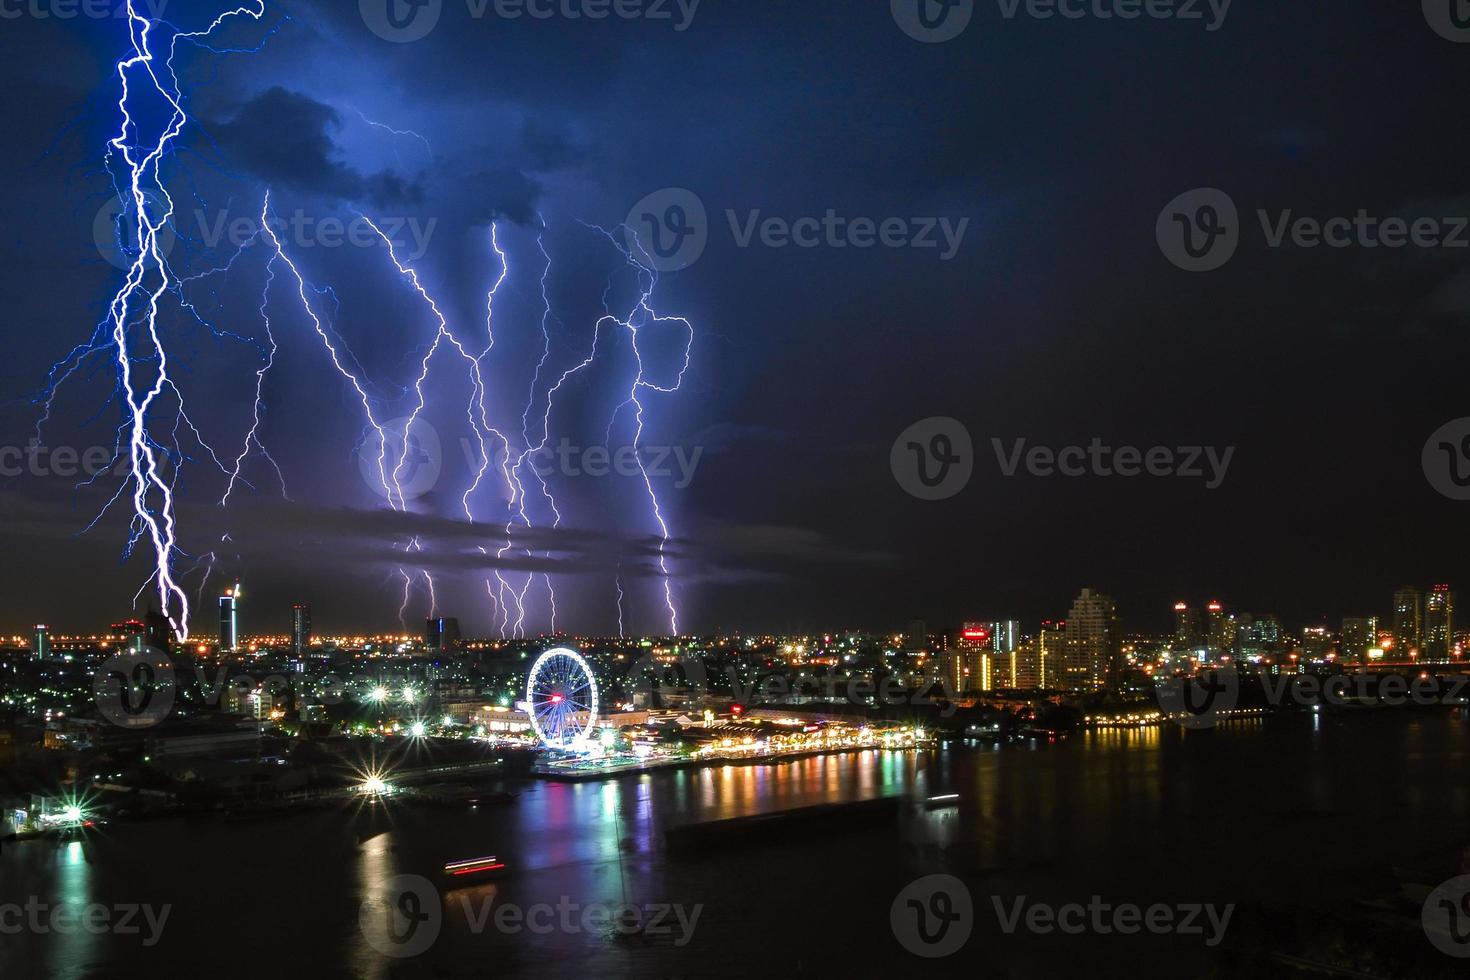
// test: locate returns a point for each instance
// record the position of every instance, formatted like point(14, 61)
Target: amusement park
point(561, 708)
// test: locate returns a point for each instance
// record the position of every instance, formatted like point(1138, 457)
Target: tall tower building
point(972, 661)
point(158, 633)
point(1439, 622)
point(300, 629)
point(1408, 619)
point(441, 635)
point(1359, 634)
point(229, 620)
point(1221, 629)
point(42, 645)
point(1187, 633)
point(1092, 641)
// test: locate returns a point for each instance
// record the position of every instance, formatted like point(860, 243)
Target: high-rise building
point(441, 635)
point(41, 648)
point(133, 633)
point(1359, 635)
point(1092, 641)
point(1187, 632)
point(1257, 635)
point(157, 631)
point(1439, 622)
point(229, 620)
point(300, 629)
point(1004, 635)
point(1408, 619)
point(971, 662)
point(1221, 630)
point(916, 636)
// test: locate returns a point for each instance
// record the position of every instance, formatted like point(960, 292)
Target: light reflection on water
point(1138, 813)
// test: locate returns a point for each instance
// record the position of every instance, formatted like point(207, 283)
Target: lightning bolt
point(155, 421)
point(152, 496)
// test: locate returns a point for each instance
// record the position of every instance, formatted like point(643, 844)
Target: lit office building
point(1092, 646)
point(1408, 619)
point(1187, 630)
point(300, 629)
point(1221, 628)
point(442, 635)
point(229, 620)
point(41, 648)
point(971, 661)
point(1439, 622)
point(1359, 635)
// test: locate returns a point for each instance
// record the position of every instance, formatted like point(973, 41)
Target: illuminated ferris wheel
point(561, 698)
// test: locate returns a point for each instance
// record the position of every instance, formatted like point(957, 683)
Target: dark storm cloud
point(503, 193)
point(549, 148)
point(285, 138)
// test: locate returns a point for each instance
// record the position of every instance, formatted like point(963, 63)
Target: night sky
point(1057, 320)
